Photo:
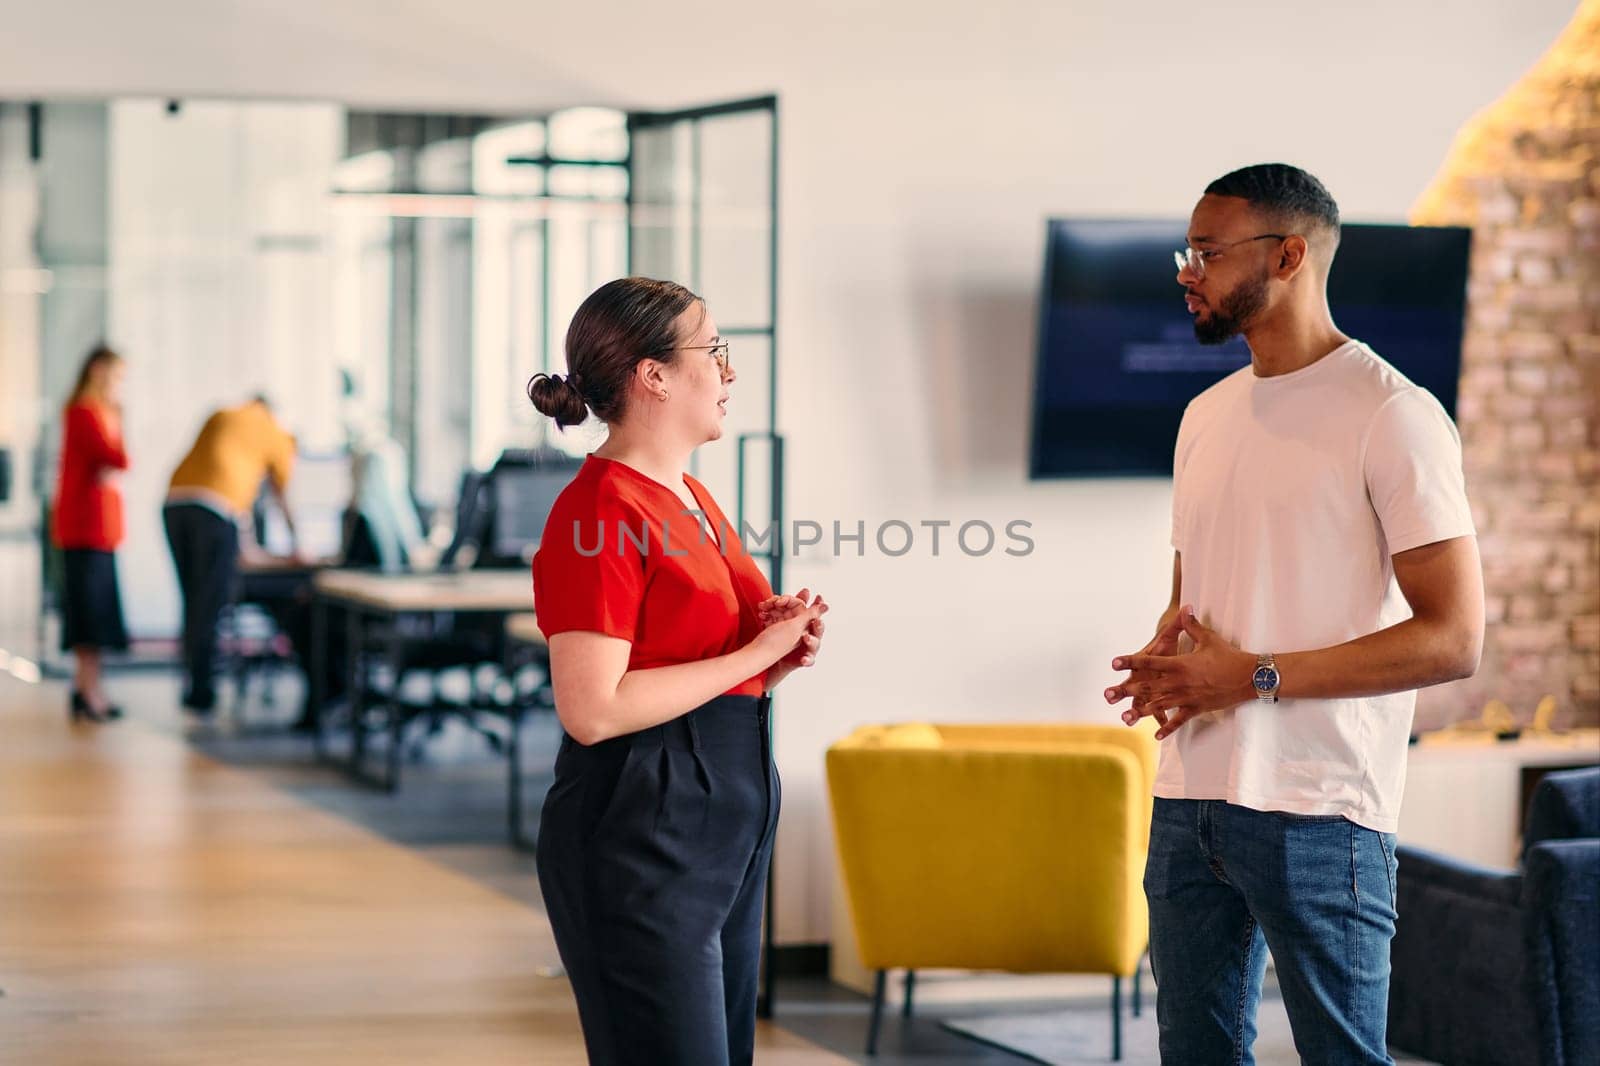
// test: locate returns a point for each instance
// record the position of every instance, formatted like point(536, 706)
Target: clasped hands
point(1171, 687)
point(775, 610)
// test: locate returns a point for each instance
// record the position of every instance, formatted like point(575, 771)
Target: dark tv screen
point(1118, 361)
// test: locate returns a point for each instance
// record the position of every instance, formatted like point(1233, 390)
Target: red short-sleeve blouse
point(621, 555)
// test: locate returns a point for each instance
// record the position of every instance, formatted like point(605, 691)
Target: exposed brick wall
point(1525, 175)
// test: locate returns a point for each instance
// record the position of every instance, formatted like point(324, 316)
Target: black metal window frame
point(774, 556)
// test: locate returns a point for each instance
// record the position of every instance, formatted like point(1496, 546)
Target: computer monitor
point(319, 493)
point(523, 497)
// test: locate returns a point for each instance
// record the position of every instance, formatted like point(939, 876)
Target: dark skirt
point(91, 605)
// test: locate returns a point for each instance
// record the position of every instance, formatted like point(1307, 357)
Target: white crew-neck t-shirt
point(1290, 495)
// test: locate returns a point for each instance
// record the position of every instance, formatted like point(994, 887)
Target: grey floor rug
point(1082, 1033)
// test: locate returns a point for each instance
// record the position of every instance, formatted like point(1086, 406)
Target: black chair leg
point(1116, 1019)
point(911, 984)
point(1138, 988)
point(878, 986)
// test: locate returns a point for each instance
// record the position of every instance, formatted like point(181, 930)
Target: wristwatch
point(1266, 678)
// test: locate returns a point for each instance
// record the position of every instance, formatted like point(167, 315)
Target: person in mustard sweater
point(208, 500)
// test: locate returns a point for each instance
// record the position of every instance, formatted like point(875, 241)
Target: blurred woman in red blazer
point(87, 527)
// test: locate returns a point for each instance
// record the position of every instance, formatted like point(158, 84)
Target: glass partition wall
point(466, 244)
point(704, 210)
point(402, 274)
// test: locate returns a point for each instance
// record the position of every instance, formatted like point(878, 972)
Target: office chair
point(476, 643)
point(472, 522)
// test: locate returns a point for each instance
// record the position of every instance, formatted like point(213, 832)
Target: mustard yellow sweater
point(236, 448)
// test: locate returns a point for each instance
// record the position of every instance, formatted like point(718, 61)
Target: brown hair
point(622, 323)
point(99, 355)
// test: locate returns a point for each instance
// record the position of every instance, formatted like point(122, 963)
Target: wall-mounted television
point(1118, 361)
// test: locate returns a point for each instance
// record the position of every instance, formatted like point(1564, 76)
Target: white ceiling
point(529, 55)
point(466, 54)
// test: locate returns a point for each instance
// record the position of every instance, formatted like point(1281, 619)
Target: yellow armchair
point(995, 847)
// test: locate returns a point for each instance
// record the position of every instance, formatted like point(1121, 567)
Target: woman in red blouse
point(665, 639)
point(87, 527)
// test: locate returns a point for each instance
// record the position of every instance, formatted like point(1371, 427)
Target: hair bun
point(558, 398)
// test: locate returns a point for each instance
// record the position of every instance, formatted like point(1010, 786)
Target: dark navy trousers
point(653, 851)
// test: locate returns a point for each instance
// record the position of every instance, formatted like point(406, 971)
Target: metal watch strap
point(1270, 661)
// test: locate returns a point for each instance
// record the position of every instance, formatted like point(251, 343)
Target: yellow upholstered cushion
point(896, 735)
point(1014, 848)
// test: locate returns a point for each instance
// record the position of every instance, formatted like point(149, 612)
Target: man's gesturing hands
point(1174, 688)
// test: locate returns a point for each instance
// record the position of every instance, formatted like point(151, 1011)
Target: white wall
point(217, 216)
point(923, 145)
point(21, 279)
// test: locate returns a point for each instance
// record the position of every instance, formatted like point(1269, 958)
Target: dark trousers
point(653, 851)
point(205, 548)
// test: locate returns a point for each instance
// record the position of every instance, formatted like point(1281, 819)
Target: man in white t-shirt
point(1326, 567)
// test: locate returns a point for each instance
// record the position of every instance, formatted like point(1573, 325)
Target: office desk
point(368, 597)
point(524, 628)
point(488, 591)
point(525, 643)
point(280, 588)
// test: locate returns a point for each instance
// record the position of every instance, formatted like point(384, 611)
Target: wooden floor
point(159, 908)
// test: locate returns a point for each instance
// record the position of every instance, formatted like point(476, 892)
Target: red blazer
point(88, 512)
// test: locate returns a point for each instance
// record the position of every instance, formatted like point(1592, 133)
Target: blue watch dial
point(1266, 679)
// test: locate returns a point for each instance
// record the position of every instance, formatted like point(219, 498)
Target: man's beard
point(1234, 315)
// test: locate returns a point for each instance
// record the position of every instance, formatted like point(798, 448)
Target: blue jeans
point(1225, 884)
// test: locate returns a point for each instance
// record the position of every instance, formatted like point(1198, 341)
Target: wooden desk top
point(486, 591)
point(277, 564)
point(525, 627)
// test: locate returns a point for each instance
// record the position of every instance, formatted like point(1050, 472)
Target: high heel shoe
point(81, 709)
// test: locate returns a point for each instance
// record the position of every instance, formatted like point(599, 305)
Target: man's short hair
point(1282, 192)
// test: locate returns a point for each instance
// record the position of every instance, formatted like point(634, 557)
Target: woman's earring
point(662, 395)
